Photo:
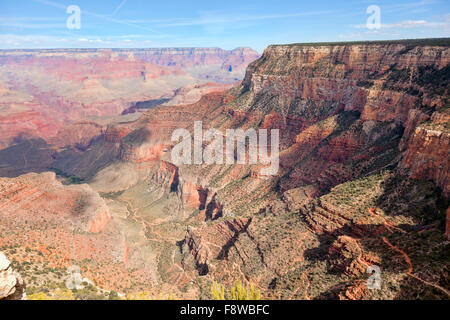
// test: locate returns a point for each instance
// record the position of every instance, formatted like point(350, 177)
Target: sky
point(33, 24)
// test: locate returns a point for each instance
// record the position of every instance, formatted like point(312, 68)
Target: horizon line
point(445, 39)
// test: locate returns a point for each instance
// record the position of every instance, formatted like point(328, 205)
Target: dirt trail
point(360, 255)
point(389, 225)
point(410, 267)
point(407, 258)
point(308, 284)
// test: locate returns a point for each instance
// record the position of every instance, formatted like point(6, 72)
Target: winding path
point(410, 267)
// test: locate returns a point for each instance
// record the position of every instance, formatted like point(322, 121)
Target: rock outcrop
point(346, 255)
point(428, 153)
point(197, 243)
point(383, 87)
point(12, 286)
point(447, 224)
point(41, 196)
point(193, 93)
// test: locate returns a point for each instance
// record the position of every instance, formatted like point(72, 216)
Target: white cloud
point(13, 41)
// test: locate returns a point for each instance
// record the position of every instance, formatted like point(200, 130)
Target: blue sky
point(226, 24)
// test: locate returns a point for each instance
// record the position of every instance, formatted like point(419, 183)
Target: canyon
point(43, 91)
point(363, 178)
